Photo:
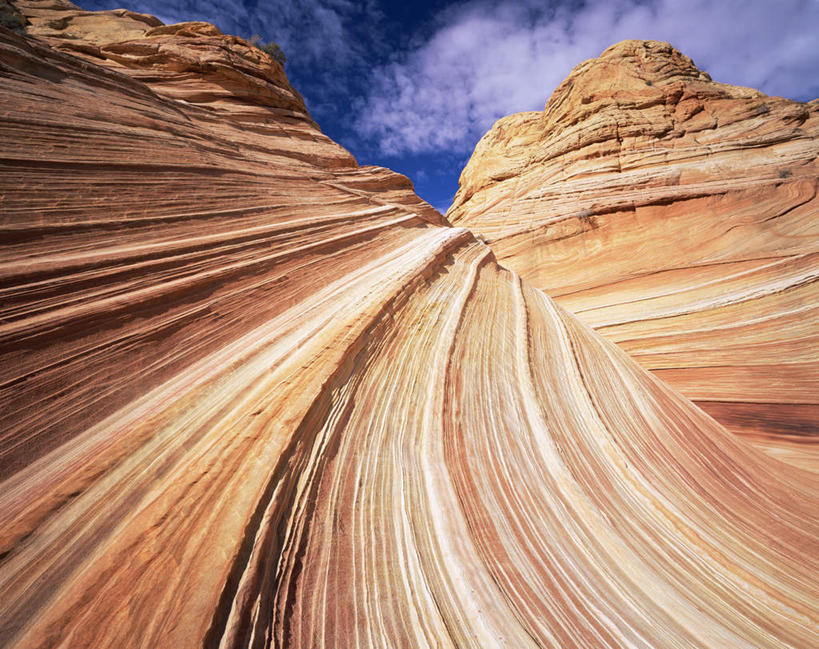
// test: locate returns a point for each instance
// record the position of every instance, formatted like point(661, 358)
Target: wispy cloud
point(488, 58)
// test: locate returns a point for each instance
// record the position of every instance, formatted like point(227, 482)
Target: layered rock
point(678, 217)
point(256, 395)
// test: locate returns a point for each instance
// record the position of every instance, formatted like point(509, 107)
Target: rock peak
point(648, 55)
point(654, 62)
point(633, 70)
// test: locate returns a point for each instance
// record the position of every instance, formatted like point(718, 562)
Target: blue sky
point(413, 85)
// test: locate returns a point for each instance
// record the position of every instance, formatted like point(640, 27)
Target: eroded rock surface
point(256, 395)
point(678, 217)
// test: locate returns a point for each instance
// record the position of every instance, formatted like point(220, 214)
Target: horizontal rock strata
point(255, 395)
point(679, 218)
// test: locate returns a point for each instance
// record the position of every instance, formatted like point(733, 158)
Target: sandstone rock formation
point(255, 395)
point(677, 216)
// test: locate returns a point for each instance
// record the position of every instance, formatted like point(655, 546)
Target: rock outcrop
point(678, 217)
point(255, 395)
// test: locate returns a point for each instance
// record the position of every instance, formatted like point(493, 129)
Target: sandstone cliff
point(255, 395)
point(678, 217)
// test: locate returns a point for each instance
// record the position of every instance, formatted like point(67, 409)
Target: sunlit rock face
point(679, 218)
point(255, 395)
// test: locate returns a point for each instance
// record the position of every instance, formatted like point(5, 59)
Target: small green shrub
point(275, 51)
point(784, 173)
point(272, 48)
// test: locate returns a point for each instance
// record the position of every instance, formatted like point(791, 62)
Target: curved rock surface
point(254, 395)
point(678, 217)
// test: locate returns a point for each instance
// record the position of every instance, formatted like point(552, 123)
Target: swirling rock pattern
point(255, 395)
point(678, 217)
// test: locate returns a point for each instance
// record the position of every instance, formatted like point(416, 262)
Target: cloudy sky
point(413, 85)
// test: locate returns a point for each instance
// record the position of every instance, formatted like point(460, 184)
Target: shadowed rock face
point(679, 218)
point(256, 395)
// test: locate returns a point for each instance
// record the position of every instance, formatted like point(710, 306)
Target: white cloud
point(489, 58)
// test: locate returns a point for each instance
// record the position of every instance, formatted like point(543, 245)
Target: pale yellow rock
point(678, 217)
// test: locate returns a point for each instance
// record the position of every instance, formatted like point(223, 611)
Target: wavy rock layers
point(140, 229)
point(254, 395)
point(679, 218)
